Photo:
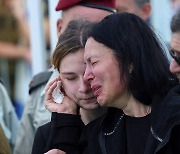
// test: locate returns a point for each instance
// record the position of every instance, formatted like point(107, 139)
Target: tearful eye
point(70, 79)
point(93, 63)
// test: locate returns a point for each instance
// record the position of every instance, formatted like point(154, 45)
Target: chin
point(100, 101)
point(91, 106)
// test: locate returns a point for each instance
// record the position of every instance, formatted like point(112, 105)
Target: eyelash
point(93, 63)
point(175, 53)
point(70, 79)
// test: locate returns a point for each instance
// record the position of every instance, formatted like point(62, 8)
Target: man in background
point(9, 121)
point(175, 44)
point(141, 8)
point(35, 113)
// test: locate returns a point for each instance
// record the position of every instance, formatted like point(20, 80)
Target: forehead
point(125, 5)
point(88, 13)
point(175, 41)
point(72, 61)
point(92, 47)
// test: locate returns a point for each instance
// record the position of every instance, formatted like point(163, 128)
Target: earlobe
point(146, 11)
point(130, 68)
point(59, 27)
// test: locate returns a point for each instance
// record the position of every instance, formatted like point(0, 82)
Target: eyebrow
point(90, 57)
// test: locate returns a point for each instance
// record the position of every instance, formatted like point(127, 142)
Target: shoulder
point(41, 138)
point(166, 111)
point(39, 79)
point(43, 132)
point(45, 129)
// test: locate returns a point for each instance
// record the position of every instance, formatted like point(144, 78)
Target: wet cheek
point(71, 94)
point(69, 89)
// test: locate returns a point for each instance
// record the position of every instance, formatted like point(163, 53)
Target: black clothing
point(66, 138)
point(163, 138)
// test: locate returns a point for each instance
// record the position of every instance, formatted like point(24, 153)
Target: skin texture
point(175, 3)
point(103, 74)
point(72, 78)
point(75, 12)
point(78, 12)
point(55, 151)
point(75, 88)
point(131, 7)
point(175, 46)
point(102, 71)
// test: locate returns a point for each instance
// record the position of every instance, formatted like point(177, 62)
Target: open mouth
point(97, 90)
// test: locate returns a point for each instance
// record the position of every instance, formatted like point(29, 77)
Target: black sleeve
point(175, 139)
point(41, 138)
point(65, 133)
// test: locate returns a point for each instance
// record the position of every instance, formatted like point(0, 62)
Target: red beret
point(108, 5)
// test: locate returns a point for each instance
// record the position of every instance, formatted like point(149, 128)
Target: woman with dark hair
point(129, 73)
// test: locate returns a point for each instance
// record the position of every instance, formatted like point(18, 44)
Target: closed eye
point(72, 78)
point(93, 63)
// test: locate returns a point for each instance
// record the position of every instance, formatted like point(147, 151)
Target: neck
point(90, 115)
point(130, 105)
point(135, 108)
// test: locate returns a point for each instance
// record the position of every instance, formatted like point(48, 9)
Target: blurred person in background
point(14, 46)
point(8, 117)
point(175, 44)
point(175, 5)
point(35, 114)
point(141, 8)
point(11, 50)
point(13, 29)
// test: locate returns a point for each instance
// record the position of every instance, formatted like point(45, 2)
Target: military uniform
point(35, 114)
point(8, 117)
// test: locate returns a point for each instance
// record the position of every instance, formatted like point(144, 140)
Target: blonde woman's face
point(72, 69)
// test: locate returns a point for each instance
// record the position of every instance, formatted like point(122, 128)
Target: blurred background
point(28, 38)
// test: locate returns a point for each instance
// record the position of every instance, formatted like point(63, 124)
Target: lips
point(89, 98)
point(97, 90)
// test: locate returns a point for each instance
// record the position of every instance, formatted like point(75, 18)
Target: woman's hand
point(67, 106)
point(55, 151)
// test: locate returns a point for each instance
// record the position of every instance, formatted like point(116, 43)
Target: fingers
point(67, 106)
point(50, 104)
point(55, 151)
point(50, 83)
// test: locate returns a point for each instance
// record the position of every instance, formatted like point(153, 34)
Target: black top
point(137, 131)
point(164, 136)
point(132, 132)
